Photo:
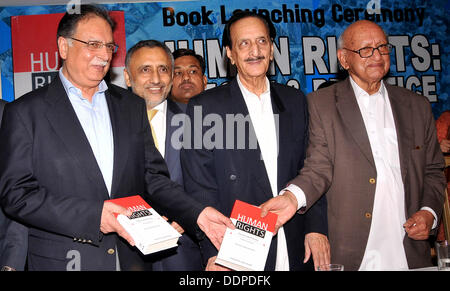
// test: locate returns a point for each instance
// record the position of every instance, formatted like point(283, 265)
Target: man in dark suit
point(69, 147)
point(13, 236)
point(222, 164)
point(373, 151)
point(149, 72)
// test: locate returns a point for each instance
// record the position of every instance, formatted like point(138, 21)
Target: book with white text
point(150, 232)
point(246, 247)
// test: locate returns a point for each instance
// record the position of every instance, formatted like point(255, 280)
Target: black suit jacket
point(186, 257)
point(50, 180)
point(218, 177)
point(13, 235)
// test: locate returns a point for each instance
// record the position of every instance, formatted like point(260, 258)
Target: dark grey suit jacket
point(13, 235)
point(50, 180)
point(340, 164)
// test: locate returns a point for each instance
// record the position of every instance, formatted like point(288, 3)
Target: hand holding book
point(109, 222)
point(214, 224)
point(285, 206)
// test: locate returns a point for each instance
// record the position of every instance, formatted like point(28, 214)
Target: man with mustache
point(69, 147)
point(374, 153)
point(189, 77)
point(149, 67)
point(247, 169)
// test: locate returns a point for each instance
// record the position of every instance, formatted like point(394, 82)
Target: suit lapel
point(253, 156)
point(283, 126)
point(403, 124)
point(350, 114)
point(119, 115)
point(63, 119)
point(172, 155)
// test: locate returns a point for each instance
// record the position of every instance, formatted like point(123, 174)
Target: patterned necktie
point(151, 113)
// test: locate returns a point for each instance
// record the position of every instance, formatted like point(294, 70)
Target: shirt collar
point(246, 92)
point(360, 92)
point(70, 88)
point(161, 107)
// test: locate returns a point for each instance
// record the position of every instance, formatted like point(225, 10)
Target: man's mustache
point(186, 82)
point(98, 62)
point(252, 59)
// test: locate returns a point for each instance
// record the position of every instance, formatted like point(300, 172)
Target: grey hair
point(149, 43)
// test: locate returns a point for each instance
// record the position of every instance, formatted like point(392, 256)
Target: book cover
point(246, 247)
point(150, 232)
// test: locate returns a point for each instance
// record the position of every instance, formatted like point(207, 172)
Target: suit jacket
point(49, 179)
point(186, 257)
point(13, 235)
point(220, 176)
point(340, 164)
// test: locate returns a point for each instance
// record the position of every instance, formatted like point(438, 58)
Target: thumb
point(265, 208)
point(225, 220)
point(115, 208)
point(307, 253)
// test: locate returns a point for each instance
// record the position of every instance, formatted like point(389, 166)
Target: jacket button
point(111, 251)
point(368, 215)
point(372, 180)
point(232, 177)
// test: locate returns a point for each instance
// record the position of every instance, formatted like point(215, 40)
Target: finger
point(225, 221)
point(216, 241)
point(319, 258)
point(307, 254)
point(123, 233)
point(409, 223)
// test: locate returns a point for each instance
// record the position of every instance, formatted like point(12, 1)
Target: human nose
point(376, 53)
point(185, 75)
point(155, 77)
point(255, 49)
point(104, 53)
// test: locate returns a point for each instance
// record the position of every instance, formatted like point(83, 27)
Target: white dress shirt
point(384, 249)
point(263, 120)
point(159, 126)
point(96, 124)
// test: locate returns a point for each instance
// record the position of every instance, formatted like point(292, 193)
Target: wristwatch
point(7, 268)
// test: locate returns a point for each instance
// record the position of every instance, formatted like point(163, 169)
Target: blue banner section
point(307, 32)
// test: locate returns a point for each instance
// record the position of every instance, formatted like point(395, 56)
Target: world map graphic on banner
point(305, 46)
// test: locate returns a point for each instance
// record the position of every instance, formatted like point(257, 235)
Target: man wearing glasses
point(373, 152)
point(69, 147)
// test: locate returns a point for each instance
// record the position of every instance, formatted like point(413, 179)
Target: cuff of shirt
point(298, 193)
point(434, 214)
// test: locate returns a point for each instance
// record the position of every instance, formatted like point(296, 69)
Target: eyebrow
point(190, 66)
point(151, 65)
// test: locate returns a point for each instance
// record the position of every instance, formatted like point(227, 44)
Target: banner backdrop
point(305, 46)
point(35, 54)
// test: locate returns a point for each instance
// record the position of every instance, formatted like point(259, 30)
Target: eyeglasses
point(367, 52)
point(97, 45)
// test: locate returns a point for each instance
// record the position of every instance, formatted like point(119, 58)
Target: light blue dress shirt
point(96, 123)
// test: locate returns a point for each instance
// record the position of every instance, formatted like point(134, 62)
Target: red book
point(246, 247)
point(150, 232)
